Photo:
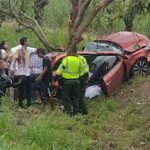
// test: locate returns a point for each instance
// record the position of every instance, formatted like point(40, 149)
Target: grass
point(118, 122)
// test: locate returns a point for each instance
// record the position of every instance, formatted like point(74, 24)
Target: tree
point(79, 20)
point(28, 22)
point(4, 12)
point(135, 7)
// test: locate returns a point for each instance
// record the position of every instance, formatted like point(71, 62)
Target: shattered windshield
point(102, 46)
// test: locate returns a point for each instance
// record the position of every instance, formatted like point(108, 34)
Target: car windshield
point(102, 46)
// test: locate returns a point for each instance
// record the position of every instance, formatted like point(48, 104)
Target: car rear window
point(98, 46)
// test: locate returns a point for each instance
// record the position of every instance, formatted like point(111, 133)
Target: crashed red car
point(114, 58)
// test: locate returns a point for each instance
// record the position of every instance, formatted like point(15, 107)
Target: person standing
point(23, 71)
point(3, 48)
point(36, 86)
point(70, 70)
point(11, 57)
point(83, 83)
point(46, 76)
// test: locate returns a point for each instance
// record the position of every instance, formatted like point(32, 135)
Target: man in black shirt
point(46, 75)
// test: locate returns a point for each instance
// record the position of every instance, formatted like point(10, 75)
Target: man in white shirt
point(23, 71)
point(11, 57)
point(13, 92)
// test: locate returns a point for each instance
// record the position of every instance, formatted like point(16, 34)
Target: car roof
point(127, 40)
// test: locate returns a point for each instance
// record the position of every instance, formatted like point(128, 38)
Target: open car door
point(113, 78)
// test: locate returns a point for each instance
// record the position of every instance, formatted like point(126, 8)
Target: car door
point(113, 78)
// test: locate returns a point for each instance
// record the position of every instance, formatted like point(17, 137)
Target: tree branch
point(87, 20)
point(82, 7)
point(83, 22)
point(34, 25)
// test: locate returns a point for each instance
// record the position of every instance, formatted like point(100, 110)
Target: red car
point(114, 58)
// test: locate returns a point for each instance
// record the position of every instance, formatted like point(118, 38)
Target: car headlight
point(148, 47)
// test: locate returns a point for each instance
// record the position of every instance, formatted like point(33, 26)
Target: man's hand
point(38, 78)
point(15, 72)
point(55, 84)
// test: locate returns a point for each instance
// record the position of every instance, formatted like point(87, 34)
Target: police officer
point(83, 83)
point(70, 70)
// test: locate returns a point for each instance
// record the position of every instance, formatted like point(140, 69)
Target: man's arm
point(15, 60)
point(32, 50)
point(42, 73)
point(4, 55)
point(61, 67)
point(14, 64)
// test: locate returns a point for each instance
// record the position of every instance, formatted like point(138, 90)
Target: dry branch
point(34, 26)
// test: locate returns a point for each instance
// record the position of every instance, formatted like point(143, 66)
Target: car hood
point(129, 41)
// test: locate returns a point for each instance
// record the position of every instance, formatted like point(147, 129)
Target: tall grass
point(112, 123)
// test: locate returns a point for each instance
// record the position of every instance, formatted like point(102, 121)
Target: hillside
point(120, 122)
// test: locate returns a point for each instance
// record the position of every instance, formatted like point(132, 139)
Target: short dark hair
point(2, 44)
point(73, 50)
point(23, 40)
point(41, 50)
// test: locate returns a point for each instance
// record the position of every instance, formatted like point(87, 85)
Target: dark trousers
point(24, 90)
point(48, 94)
point(82, 103)
point(70, 96)
point(35, 86)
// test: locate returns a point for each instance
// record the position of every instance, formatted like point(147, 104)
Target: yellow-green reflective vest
point(70, 68)
point(85, 67)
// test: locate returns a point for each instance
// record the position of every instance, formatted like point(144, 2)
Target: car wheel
point(140, 68)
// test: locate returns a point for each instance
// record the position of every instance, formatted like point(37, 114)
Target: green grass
point(117, 122)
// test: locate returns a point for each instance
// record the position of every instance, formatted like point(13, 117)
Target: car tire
point(140, 68)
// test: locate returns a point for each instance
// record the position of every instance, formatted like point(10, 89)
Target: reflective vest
point(85, 67)
point(70, 68)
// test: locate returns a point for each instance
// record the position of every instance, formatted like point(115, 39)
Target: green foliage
point(56, 19)
point(56, 14)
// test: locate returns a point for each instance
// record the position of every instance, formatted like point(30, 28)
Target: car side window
point(100, 66)
point(89, 59)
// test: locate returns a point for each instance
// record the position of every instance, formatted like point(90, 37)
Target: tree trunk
point(78, 21)
point(135, 7)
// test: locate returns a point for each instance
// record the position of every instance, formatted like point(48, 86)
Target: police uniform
point(70, 70)
point(83, 82)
